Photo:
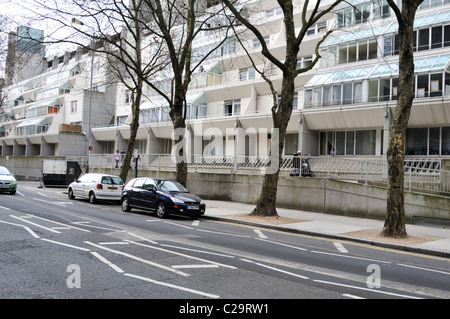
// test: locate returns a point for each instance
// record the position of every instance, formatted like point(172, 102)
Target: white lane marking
point(143, 238)
point(53, 202)
point(259, 233)
point(340, 247)
point(275, 269)
point(114, 243)
point(37, 225)
point(106, 261)
point(352, 296)
point(64, 244)
point(5, 208)
point(139, 259)
point(183, 255)
point(352, 257)
point(25, 227)
point(194, 266)
point(86, 224)
point(366, 289)
point(61, 224)
point(197, 250)
point(173, 286)
point(281, 244)
point(222, 233)
point(426, 269)
point(175, 224)
point(195, 222)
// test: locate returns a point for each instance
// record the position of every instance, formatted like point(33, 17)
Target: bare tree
point(394, 225)
point(311, 13)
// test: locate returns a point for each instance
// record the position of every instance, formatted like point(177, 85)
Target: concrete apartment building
point(344, 105)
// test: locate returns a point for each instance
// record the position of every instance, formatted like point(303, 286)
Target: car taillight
point(99, 186)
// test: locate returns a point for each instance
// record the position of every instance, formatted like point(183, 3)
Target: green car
point(7, 181)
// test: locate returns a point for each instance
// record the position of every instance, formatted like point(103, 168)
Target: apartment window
point(232, 107)
point(304, 62)
point(365, 142)
point(348, 142)
point(362, 13)
point(317, 28)
point(74, 107)
point(273, 12)
point(350, 52)
point(127, 97)
point(381, 9)
point(423, 40)
point(246, 74)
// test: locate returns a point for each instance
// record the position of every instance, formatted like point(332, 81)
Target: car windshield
point(4, 171)
point(170, 186)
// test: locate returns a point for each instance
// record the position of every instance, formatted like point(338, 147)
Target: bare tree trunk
point(134, 126)
point(394, 225)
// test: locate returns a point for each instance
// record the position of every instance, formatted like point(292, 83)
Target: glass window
point(342, 53)
point(436, 84)
point(385, 89)
point(362, 50)
point(373, 49)
point(352, 52)
point(445, 149)
point(317, 94)
point(388, 45)
point(435, 133)
point(340, 143)
point(373, 91)
point(416, 141)
point(424, 36)
point(350, 143)
point(327, 95)
point(308, 98)
point(446, 35)
point(336, 94)
point(365, 142)
point(422, 85)
point(436, 37)
point(357, 92)
point(347, 99)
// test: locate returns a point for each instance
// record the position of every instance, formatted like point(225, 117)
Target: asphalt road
point(53, 247)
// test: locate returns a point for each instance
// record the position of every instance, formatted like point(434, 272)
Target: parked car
point(96, 186)
point(162, 196)
point(7, 181)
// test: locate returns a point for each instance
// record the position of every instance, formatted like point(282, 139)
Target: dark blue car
point(162, 196)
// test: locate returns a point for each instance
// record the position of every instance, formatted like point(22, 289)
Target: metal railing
point(424, 174)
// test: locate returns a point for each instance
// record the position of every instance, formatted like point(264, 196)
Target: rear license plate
point(193, 207)
point(113, 188)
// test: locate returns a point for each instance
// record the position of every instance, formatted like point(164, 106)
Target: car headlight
point(176, 200)
point(202, 201)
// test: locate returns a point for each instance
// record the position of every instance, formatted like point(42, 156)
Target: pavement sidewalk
point(431, 240)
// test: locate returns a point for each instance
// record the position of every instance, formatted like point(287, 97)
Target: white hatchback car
point(96, 186)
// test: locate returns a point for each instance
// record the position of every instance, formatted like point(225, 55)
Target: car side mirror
point(151, 189)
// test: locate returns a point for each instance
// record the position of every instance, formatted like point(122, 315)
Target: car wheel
point(71, 196)
point(12, 192)
point(161, 211)
point(125, 205)
point(92, 198)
